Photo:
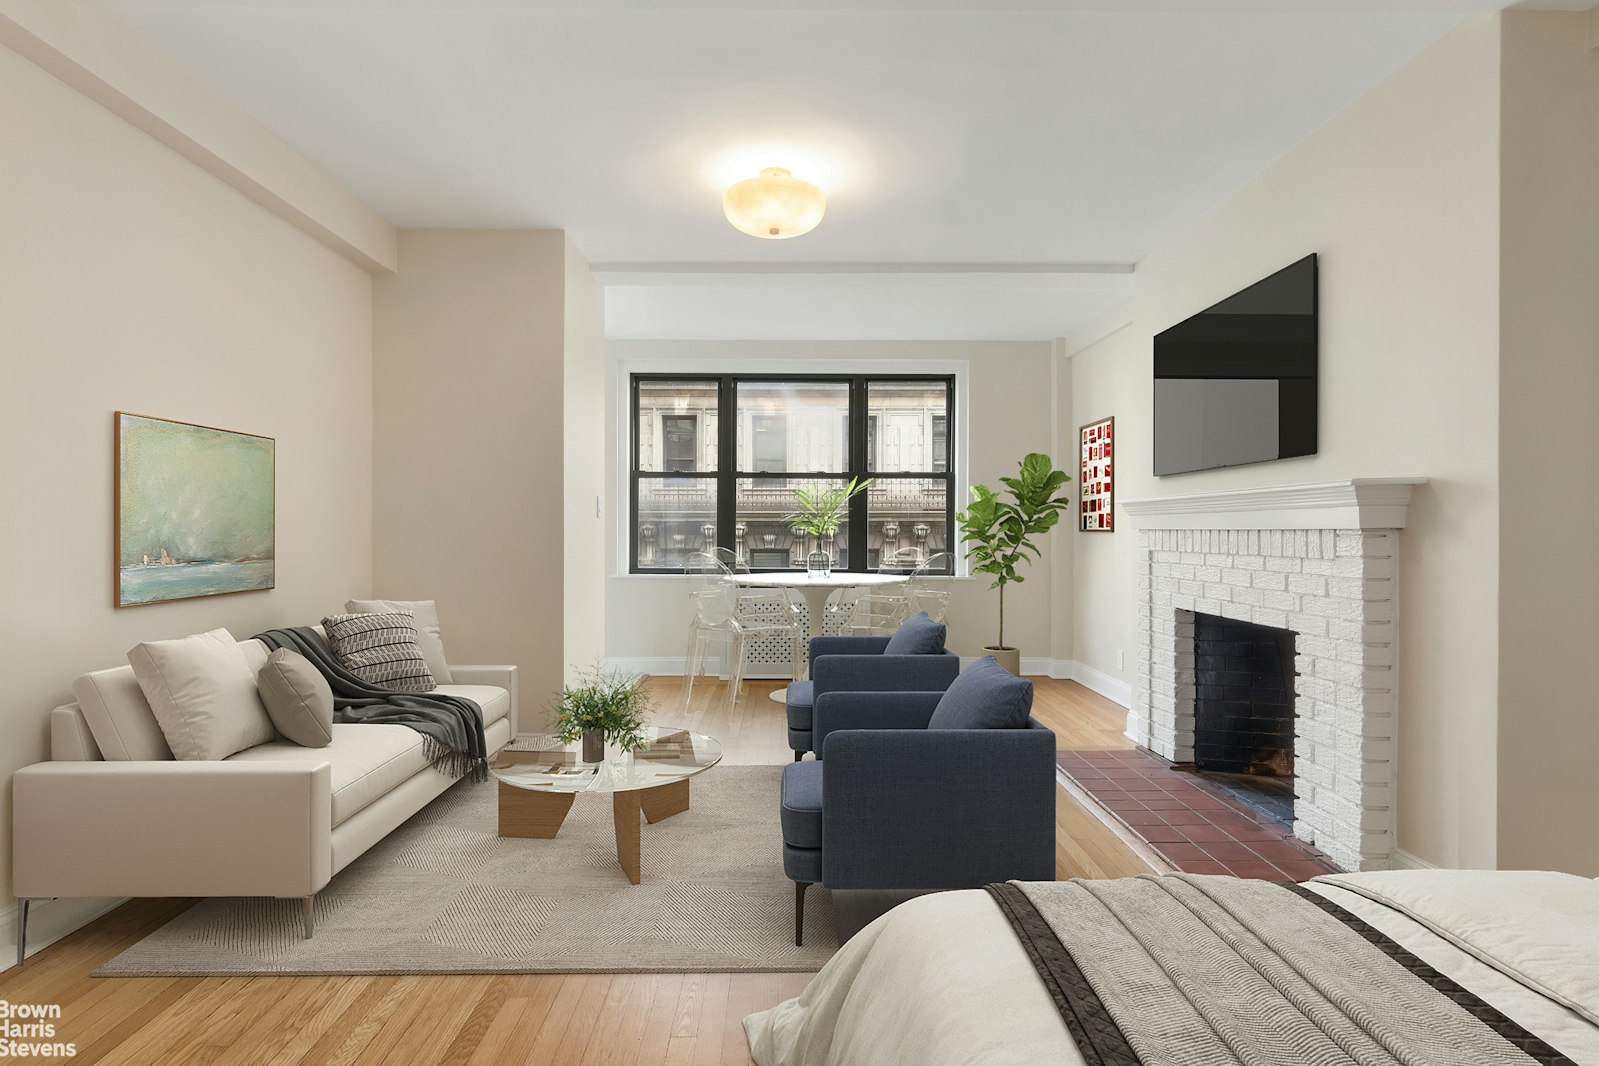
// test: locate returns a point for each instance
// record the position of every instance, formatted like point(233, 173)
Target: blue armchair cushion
point(984, 696)
point(802, 805)
point(800, 704)
point(918, 635)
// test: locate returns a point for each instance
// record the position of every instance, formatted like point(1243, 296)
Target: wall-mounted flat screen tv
point(1236, 383)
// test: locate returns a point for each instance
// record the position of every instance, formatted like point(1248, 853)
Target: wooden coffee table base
point(526, 812)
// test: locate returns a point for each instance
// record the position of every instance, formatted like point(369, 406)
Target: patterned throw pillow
point(380, 649)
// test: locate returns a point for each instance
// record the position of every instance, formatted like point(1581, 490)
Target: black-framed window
point(716, 459)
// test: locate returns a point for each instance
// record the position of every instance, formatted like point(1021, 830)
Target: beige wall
point(1399, 194)
point(468, 350)
point(1548, 388)
point(1010, 398)
point(584, 466)
point(130, 279)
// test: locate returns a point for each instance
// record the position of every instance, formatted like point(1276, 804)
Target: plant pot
point(593, 745)
point(1009, 658)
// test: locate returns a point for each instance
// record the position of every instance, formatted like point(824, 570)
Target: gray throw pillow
point(298, 698)
point(984, 696)
point(429, 637)
point(917, 635)
point(380, 649)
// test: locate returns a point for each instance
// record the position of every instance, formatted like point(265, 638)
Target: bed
point(1475, 968)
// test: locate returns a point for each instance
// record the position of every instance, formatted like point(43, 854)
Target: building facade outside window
point(716, 459)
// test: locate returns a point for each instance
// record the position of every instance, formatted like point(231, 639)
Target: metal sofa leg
point(306, 904)
point(799, 912)
point(22, 931)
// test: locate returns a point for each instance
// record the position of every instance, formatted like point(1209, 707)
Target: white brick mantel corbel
point(1358, 503)
point(1321, 560)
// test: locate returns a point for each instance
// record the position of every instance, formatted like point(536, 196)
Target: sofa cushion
point(429, 637)
point(800, 704)
point(984, 696)
point(203, 695)
point(368, 761)
point(495, 702)
point(918, 635)
point(119, 717)
point(802, 804)
point(298, 698)
point(380, 649)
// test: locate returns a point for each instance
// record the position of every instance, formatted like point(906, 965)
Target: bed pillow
point(917, 635)
point(380, 649)
point(298, 698)
point(985, 695)
point(428, 635)
point(202, 692)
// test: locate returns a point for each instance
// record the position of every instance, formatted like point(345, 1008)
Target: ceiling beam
point(118, 69)
point(861, 268)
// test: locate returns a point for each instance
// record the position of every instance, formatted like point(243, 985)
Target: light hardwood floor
point(621, 1019)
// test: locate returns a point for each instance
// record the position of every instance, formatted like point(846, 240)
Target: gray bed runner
point(1187, 970)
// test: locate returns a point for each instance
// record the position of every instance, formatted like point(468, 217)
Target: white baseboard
point(1111, 688)
point(48, 921)
point(1404, 860)
point(1033, 666)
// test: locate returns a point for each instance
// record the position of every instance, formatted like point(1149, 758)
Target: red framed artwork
point(1096, 507)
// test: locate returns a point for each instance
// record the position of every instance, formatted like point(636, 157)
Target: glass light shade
point(774, 205)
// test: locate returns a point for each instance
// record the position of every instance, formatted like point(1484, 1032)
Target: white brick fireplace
point(1322, 561)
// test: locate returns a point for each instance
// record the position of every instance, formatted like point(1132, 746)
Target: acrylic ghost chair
point(724, 613)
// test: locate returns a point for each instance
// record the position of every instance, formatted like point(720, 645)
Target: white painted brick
point(1283, 564)
point(1271, 581)
point(1266, 616)
point(1307, 584)
point(1218, 590)
point(1241, 612)
point(1280, 601)
point(1249, 562)
point(1307, 624)
point(1219, 559)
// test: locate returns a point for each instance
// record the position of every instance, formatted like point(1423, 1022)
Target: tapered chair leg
point(306, 904)
point(798, 755)
point(799, 912)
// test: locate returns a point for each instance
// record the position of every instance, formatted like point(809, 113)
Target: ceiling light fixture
point(774, 205)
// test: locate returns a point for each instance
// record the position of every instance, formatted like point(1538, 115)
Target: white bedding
point(942, 980)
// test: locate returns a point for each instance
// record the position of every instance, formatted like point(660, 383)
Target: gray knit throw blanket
point(451, 726)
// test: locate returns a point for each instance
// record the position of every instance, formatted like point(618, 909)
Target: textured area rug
point(445, 894)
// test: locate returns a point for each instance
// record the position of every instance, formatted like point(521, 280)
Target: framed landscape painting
point(195, 511)
point(1097, 492)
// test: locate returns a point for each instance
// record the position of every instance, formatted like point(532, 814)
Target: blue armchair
point(894, 804)
point(859, 664)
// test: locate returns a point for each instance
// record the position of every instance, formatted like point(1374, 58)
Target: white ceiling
point(992, 135)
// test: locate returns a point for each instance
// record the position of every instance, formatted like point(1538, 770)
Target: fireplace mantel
point(1358, 503)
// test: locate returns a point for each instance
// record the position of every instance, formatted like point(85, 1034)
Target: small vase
point(593, 745)
point(818, 564)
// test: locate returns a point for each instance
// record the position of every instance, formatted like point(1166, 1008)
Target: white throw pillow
point(428, 635)
point(203, 693)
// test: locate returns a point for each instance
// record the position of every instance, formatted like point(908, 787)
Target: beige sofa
point(113, 814)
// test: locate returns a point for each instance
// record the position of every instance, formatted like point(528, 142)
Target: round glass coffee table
point(540, 777)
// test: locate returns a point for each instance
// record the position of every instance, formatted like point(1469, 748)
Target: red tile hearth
point(1196, 828)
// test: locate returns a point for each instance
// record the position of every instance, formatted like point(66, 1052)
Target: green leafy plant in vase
point(819, 513)
point(998, 532)
point(603, 705)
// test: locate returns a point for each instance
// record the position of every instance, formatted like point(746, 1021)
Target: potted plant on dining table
point(819, 513)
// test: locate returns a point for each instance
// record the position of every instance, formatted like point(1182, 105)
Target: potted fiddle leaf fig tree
point(818, 513)
point(998, 533)
point(603, 705)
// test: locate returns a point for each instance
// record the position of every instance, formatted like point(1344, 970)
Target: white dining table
point(815, 590)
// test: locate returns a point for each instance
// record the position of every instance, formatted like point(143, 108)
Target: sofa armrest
point(938, 808)
point(172, 829)
point(869, 710)
point(820, 646)
point(884, 673)
point(498, 676)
